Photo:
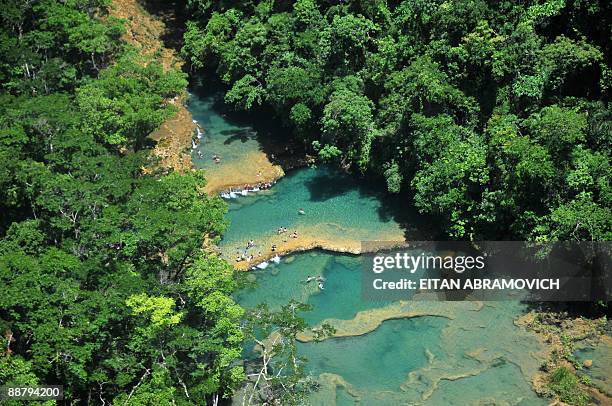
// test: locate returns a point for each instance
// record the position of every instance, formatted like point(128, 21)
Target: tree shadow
point(274, 139)
point(173, 14)
point(327, 185)
point(332, 182)
point(284, 149)
point(239, 135)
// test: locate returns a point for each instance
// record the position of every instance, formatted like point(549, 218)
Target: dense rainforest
point(491, 116)
point(106, 287)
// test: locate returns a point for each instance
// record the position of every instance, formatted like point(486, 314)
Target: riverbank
point(235, 150)
point(469, 345)
point(562, 335)
point(256, 168)
point(144, 32)
point(307, 209)
point(308, 238)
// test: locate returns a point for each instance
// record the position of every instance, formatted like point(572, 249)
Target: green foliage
point(447, 185)
point(159, 310)
point(126, 102)
point(567, 385)
point(15, 371)
point(300, 115)
point(348, 123)
point(493, 116)
point(245, 93)
point(393, 177)
point(50, 46)
point(558, 129)
point(275, 336)
point(107, 289)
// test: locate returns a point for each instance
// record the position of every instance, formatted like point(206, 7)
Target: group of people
point(245, 255)
point(215, 157)
point(319, 279)
point(234, 192)
point(283, 230)
point(260, 186)
point(254, 188)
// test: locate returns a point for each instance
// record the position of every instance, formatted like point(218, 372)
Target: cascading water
point(429, 353)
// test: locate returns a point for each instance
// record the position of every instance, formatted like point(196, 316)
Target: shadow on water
point(416, 226)
point(241, 135)
point(326, 186)
point(283, 149)
point(275, 139)
point(332, 183)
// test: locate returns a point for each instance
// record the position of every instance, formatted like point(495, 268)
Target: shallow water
point(236, 142)
point(601, 370)
point(470, 353)
point(380, 360)
point(338, 213)
point(223, 137)
point(278, 284)
point(433, 353)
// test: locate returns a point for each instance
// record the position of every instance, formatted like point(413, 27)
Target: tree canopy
point(107, 288)
point(492, 117)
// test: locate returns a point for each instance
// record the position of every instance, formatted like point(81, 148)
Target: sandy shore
point(228, 175)
point(144, 32)
point(326, 236)
point(173, 139)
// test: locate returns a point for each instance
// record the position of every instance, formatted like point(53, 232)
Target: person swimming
point(321, 286)
point(301, 211)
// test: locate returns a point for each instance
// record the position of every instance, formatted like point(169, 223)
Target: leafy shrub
point(567, 385)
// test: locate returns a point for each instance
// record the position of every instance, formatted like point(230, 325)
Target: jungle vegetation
point(105, 286)
point(491, 116)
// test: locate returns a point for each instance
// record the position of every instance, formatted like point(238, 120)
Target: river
point(421, 352)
